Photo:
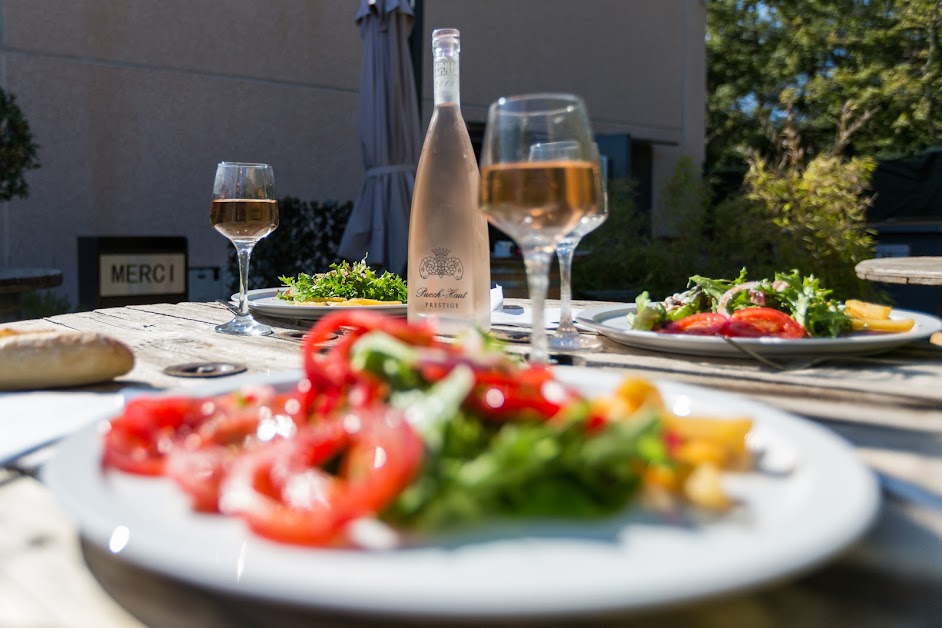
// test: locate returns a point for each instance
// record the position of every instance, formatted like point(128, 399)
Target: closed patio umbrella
point(389, 137)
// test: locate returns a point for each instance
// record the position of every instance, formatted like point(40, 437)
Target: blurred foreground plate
point(785, 525)
point(610, 321)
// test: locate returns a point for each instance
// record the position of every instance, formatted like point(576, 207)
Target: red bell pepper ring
point(200, 461)
point(285, 492)
point(331, 374)
point(137, 440)
point(531, 392)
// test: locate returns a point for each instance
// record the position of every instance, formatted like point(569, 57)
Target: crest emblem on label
point(440, 265)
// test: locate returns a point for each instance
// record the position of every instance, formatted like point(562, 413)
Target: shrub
point(789, 216)
point(622, 255)
point(819, 212)
point(608, 258)
point(306, 239)
point(42, 303)
point(17, 149)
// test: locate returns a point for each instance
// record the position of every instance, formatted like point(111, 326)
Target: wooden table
point(14, 282)
point(888, 406)
point(914, 271)
point(922, 271)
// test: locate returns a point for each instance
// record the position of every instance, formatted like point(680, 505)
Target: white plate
point(265, 301)
point(636, 560)
point(610, 321)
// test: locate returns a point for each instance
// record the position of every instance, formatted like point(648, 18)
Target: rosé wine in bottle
point(449, 276)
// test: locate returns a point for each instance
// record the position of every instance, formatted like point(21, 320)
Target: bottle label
point(441, 265)
point(446, 79)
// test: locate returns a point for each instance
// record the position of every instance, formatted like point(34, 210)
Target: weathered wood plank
point(924, 270)
point(159, 340)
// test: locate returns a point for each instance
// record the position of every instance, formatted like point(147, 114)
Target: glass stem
point(244, 251)
point(564, 251)
point(537, 262)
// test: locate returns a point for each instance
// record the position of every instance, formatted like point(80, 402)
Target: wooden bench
point(15, 282)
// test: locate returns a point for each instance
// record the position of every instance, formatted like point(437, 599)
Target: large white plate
point(610, 321)
point(265, 301)
point(787, 523)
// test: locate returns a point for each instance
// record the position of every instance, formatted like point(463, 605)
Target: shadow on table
point(837, 595)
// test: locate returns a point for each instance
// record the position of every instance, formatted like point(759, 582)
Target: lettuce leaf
point(649, 314)
point(345, 281)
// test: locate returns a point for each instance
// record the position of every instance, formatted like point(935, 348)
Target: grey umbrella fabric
point(389, 138)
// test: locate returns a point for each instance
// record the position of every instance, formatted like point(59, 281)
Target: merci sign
point(141, 274)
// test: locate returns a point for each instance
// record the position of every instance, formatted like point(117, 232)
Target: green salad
point(800, 297)
point(344, 281)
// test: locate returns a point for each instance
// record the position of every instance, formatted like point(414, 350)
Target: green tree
point(17, 149)
point(876, 62)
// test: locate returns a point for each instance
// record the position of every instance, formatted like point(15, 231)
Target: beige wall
point(134, 101)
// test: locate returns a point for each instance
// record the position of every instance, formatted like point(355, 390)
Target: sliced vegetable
point(888, 325)
point(703, 324)
point(391, 422)
point(137, 441)
point(863, 309)
point(755, 322)
point(305, 490)
point(800, 297)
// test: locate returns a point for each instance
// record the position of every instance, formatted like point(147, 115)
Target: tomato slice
point(530, 393)
point(754, 322)
point(304, 490)
point(199, 473)
point(702, 324)
point(138, 440)
point(199, 461)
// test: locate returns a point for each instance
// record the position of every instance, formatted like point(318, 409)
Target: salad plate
point(265, 301)
point(611, 321)
point(638, 559)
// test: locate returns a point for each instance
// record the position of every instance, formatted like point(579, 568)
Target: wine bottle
point(449, 276)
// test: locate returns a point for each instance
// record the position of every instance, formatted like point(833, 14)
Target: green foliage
point(17, 149)
point(789, 216)
point(612, 257)
point(345, 281)
point(42, 303)
point(625, 257)
point(819, 213)
point(815, 56)
point(685, 201)
point(306, 240)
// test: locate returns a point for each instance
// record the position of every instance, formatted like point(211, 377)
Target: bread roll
point(52, 359)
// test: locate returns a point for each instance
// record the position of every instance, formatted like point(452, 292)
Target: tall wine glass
point(567, 337)
point(538, 203)
point(245, 210)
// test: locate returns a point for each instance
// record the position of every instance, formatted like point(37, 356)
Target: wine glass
point(245, 210)
point(567, 337)
point(538, 203)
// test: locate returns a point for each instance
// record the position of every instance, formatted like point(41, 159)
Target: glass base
point(560, 342)
point(244, 326)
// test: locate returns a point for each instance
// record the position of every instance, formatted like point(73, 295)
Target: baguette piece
point(53, 359)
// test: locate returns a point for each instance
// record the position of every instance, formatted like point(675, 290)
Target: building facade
point(133, 102)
